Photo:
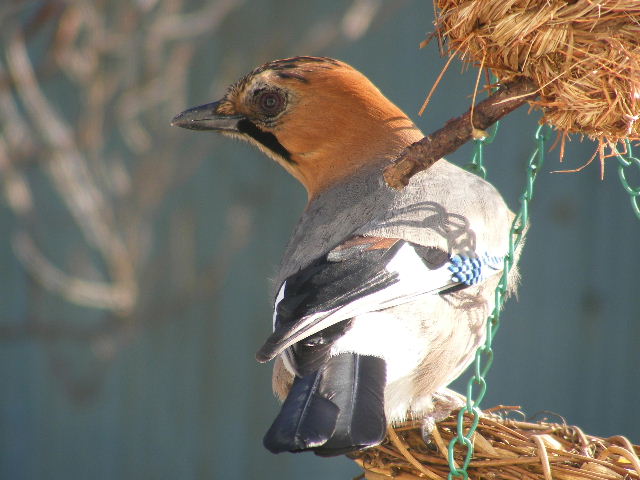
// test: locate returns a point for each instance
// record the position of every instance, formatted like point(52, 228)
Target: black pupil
point(269, 101)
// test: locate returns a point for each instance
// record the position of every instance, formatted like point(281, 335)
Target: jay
point(382, 296)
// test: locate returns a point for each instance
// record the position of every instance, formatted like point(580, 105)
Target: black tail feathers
point(335, 410)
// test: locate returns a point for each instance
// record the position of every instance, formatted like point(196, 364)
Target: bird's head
point(319, 118)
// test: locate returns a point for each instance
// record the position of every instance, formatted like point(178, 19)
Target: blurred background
point(135, 258)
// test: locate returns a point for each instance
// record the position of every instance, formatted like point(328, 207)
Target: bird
point(382, 295)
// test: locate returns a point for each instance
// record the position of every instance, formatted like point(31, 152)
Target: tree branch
point(424, 153)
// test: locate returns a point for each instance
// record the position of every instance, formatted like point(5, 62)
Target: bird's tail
point(335, 410)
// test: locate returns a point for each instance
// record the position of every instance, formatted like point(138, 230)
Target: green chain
point(476, 165)
point(484, 355)
point(626, 162)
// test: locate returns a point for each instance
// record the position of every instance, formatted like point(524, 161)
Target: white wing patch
point(279, 298)
point(414, 279)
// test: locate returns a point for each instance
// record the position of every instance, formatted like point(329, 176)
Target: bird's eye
point(271, 102)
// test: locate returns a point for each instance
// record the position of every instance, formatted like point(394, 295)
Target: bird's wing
point(363, 274)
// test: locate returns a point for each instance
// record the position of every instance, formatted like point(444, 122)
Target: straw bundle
point(503, 449)
point(583, 55)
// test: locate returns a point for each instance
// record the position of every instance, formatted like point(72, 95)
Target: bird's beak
point(206, 117)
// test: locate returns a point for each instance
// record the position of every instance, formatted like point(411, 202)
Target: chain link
point(484, 355)
point(626, 162)
point(476, 165)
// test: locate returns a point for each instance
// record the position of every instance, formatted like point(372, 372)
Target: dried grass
point(584, 56)
point(504, 448)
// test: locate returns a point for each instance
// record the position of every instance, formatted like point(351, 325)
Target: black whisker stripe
point(268, 139)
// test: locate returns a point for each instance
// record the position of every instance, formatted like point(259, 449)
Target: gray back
point(444, 207)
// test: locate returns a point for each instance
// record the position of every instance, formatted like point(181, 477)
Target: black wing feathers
point(310, 354)
point(432, 257)
point(332, 281)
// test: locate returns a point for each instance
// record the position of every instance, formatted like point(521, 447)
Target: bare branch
point(16, 189)
point(84, 292)
point(456, 132)
point(70, 172)
point(188, 25)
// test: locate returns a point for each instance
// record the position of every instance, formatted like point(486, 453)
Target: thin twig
point(410, 458)
point(456, 132)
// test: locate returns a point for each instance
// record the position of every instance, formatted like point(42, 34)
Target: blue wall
point(173, 391)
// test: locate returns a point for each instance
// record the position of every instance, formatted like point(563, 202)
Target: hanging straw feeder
point(504, 448)
point(582, 55)
point(576, 60)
